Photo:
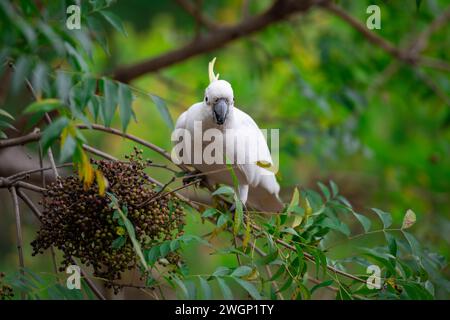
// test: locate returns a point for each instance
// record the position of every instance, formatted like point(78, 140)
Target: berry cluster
point(81, 222)
point(6, 292)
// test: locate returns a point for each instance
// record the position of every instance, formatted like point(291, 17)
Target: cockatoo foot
point(194, 176)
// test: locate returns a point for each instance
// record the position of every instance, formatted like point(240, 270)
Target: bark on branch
point(280, 10)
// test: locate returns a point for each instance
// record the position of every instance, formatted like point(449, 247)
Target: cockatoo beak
point(220, 111)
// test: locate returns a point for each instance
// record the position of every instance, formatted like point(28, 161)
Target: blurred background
point(347, 110)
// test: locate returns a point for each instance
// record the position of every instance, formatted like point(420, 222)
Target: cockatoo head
point(219, 96)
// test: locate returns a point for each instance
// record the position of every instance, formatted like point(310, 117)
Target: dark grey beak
point(220, 111)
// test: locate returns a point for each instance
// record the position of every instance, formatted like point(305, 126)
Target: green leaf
point(110, 93)
point(249, 287)
point(206, 288)
point(413, 243)
point(53, 131)
point(53, 38)
point(223, 218)
point(118, 242)
point(6, 114)
point(162, 108)
point(241, 271)
point(209, 212)
point(43, 106)
point(182, 286)
point(416, 291)
point(270, 257)
point(334, 188)
point(343, 294)
point(221, 271)
point(384, 217)
point(238, 215)
point(324, 190)
point(153, 255)
point(365, 222)
point(164, 248)
point(76, 58)
point(279, 273)
point(130, 229)
point(67, 149)
point(125, 110)
point(286, 285)
point(174, 245)
point(321, 285)
point(290, 231)
point(20, 73)
point(294, 201)
point(99, 35)
point(223, 190)
point(63, 84)
point(320, 260)
point(392, 243)
point(335, 224)
point(191, 288)
point(409, 219)
point(39, 78)
point(4, 124)
point(114, 21)
point(225, 289)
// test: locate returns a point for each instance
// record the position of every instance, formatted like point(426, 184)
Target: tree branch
point(408, 56)
point(33, 136)
point(195, 12)
point(18, 227)
point(280, 10)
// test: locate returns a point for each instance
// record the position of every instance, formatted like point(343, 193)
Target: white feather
point(257, 186)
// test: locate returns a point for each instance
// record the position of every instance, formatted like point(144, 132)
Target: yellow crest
point(212, 76)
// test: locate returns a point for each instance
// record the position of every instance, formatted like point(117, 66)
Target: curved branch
point(33, 136)
point(280, 10)
point(410, 56)
point(195, 12)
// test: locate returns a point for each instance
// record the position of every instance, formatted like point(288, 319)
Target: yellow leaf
point(266, 165)
point(252, 275)
point(307, 207)
point(64, 135)
point(297, 221)
point(409, 219)
point(69, 130)
point(87, 172)
point(102, 182)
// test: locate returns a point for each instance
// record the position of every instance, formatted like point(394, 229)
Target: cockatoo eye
point(206, 98)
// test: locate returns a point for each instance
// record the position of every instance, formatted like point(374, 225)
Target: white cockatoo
point(213, 133)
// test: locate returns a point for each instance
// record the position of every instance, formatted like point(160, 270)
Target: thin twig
point(153, 199)
point(18, 227)
point(30, 137)
point(31, 171)
point(90, 283)
point(408, 56)
point(131, 137)
point(30, 204)
point(99, 152)
point(195, 12)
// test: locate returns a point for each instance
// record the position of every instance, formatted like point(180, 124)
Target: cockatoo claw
point(194, 176)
